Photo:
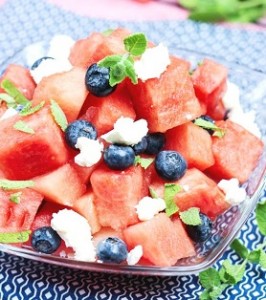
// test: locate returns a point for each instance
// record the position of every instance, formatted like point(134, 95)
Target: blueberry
point(141, 146)
point(208, 119)
point(170, 165)
point(202, 232)
point(112, 250)
point(39, 61)
point(79, 128)
point(119, 157)
point(97, 81)
point(45, 240)
point(155, 142)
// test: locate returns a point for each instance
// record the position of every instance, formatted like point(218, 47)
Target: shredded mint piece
point(59, 115)
point(15, 197)
point(191, 216)
point(24, 127)
point(136, 44)
point(29, 110)
point(219, 132)
point(261, 217)
point(144, 162)
point(12, 91)
point(153, 193)
point(108, 32)
point(10, 101)
point(170, 190)
point(240, 249)
point(262, 260)
point(15, 184)
point(209, 278)
point(14, 237)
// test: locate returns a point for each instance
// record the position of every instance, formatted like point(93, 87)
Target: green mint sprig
point(122, 65)
point(219, 132)
point(215, 282)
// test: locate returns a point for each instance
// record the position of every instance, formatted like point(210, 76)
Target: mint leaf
point(117, 73)
point(29, 110)
point(24, 127)
point(217, 291)
point(219, 132)
point(136, 44)
point(12, 91)
point(15, 197)
point(191, 216)
point(233, 273)
point(144, 162)
point(108, 32)
point(261, 217)
point(239, 248)
point(10, 101)
point(59, 115)
point(14, 237)
point(110, 61)
point(254, 256)
point(209, 278)
point(15, 184)
point(205, 295)
point(153, 193)
point(262, 260)
point(130, 71)
point(170, 190)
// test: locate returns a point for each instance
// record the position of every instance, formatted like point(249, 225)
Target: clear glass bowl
point(252, 84)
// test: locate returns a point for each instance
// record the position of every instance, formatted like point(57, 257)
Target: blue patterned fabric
point(28, 21)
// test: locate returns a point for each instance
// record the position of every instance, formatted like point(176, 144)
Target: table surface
point(23, 279)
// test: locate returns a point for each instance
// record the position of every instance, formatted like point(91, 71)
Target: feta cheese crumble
point(49, 67)
point(126, 131)
point(233, 193)
point(75, 230)
point(236, 114)
point(152, 63)
point(134, 255)
point(148, 207)
point(60, 46)
point(10, 112)
point(90, 152)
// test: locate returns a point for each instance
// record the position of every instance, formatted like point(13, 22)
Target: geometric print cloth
point(21, 279)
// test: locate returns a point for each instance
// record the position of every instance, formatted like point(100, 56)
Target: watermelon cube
point(164, 240)
point(116, 195)
point(236, 154)
point(193, 142)
point(16, 217)
point(21, 78)
point(24, 155)
point(167, 101)
point(67, 89)
point(69, 186)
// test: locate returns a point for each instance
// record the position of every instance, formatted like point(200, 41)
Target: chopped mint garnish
point(24, 127)
point(153, 193)
point(261, 217)
point(29, 110)
point(15, 184)
point(13, 92)
point(10, 101)
point(239, 248)
point(191, 216)
point(15, 197)
point(14, 237)
point(219, 132)
point(58, 114)
point(144, 162)
point(136, 44)
point(108, 32)
point(170, 190)
point(209, 278)
point(122, 65)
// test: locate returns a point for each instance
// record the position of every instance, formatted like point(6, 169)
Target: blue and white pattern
point(22, 279)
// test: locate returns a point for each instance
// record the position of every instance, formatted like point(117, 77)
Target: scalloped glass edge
point(255, 187)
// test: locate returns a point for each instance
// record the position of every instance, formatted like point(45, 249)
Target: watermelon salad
point(113, 150)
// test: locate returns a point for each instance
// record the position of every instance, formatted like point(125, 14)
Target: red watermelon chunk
point(21, 78)
point(168, 101)
point(24, 155)
point(116, 195)
point(67, 89)
point(236, 154)
point(62, 186)
point(198, 190)
point(105, 111)
point(193, 142)
point(16, 217)
point(164, 241)
point(209, 80)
